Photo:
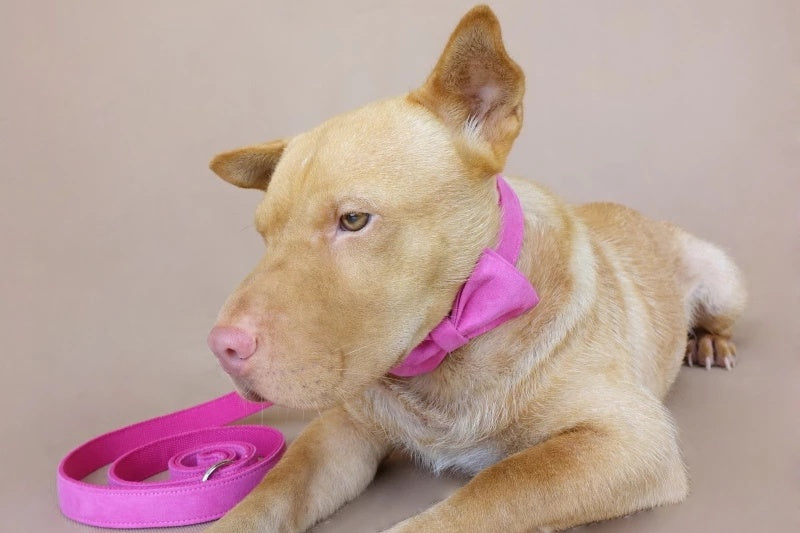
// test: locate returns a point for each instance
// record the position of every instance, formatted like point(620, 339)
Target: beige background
point(118, 245)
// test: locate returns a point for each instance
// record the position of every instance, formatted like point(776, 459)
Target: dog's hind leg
point(715, 298)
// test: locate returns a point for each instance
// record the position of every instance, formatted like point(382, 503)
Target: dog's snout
point(232, 346)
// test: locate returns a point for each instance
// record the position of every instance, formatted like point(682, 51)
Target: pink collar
point(494, 293)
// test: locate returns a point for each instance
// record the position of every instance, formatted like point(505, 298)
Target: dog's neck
point(494, 293)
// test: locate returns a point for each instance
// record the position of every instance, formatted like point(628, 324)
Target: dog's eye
point(353, 221)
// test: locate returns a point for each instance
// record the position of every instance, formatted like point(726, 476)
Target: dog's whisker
point(367, 346)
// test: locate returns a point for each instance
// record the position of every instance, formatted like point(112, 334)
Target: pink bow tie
point(494, 293)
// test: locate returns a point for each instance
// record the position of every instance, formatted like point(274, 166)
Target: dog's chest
point(468, 460)
point(460, 436)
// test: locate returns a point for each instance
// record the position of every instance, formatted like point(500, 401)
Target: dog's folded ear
point(476, 88)
point(250, 167)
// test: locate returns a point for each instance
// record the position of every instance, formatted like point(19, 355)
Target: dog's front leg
point(587, 474)
point(330, 463)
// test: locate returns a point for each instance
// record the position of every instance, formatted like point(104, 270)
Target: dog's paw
point(707, 350)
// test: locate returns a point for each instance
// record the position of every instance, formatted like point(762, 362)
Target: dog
point(376, 224)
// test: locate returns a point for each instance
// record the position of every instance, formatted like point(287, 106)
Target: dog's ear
point(250, 167)
point(476, 88)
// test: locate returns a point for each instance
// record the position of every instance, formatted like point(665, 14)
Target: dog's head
point(371, 222)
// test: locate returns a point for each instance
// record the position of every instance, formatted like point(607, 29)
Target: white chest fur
point(459, 436)
point(470, 460)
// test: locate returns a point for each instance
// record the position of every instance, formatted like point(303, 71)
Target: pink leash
point(211, 467)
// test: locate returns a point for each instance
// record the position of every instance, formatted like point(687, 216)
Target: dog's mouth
point(327, 386)
point(283, 398)
point(248, 394)
point(251, 396)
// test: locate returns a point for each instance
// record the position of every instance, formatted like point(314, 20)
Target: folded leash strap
point(193, 444)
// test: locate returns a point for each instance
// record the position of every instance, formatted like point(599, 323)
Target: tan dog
point(372, 222)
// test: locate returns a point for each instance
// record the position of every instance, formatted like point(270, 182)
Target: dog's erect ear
point(250, 167)
point(476, 88)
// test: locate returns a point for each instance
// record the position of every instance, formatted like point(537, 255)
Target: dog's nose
point(231, 346)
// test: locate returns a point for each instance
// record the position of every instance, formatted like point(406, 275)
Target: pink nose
point(231, 346)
